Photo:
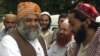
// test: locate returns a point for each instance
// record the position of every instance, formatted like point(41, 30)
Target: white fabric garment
point(82, 50)
point(9, 47)
point(47, 36)
point(56, 50)
point(1, 32)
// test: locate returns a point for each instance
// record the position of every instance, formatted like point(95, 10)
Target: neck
point(44, 30)
point(90, 34)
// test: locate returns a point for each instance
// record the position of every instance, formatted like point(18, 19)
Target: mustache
point(28, 35)
point(63, 39)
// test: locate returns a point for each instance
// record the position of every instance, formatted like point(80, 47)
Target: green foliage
point(53, 6)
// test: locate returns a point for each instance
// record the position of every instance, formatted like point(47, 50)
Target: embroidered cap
point(27, 6)
point(88, 10)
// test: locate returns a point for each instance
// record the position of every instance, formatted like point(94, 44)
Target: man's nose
point(32, 23)
point(10, 24)
point(44, 21)
point(60, 31)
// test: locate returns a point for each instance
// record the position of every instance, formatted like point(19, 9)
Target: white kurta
point(56, 50)
point(9, 47)
point(82, 50)
point(1, 32)
point(47, 37)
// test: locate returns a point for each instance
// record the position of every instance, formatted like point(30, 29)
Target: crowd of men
point(28, 33)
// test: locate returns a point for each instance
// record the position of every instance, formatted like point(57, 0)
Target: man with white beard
point(25, 40)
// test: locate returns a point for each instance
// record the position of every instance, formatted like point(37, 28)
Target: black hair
point(62, 15)
point(82, 17)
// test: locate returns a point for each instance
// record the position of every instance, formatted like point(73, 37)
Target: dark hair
point(49, 21)
point(82, 17)
point(62, 15)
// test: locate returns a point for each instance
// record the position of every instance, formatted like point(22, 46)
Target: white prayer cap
point(45, 12)
point(98, 19)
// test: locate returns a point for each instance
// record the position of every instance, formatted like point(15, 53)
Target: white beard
point(28, 35)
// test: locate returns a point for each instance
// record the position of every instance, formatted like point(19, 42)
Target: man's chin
point(73, 32)
point(31, 30)
point(44, 26)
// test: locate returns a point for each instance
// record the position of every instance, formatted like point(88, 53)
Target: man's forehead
point(30, 16)
point(10, 19)
point(62, 18)
point(71, 15)
point(10, 16)
point(65, 22)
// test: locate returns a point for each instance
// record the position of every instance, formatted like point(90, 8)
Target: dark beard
point(80, 36)
point(62, 39)
point(44, 29)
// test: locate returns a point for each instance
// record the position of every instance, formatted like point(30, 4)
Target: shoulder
point(55, 30)
point(50, 31)
point(9, 41)
point(7, 37)
point(54, 44)
point(9, 46)
point(96, 36)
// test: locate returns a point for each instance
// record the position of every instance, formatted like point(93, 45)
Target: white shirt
point(9, 47)
point(1, 32)
point(47, 36)
point(56, 50)
point(82, 50)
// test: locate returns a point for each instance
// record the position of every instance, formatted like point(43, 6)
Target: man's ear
point(87, 22)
